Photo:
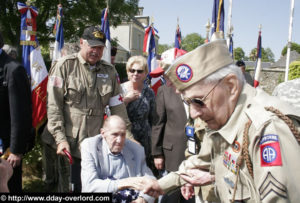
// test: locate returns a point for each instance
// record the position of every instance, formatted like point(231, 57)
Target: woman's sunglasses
point(138, 71)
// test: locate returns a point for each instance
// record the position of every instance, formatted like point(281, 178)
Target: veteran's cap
point(198, 64)
point(94, 36)
point(167, 58)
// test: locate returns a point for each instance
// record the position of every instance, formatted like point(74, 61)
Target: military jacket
point(77, 97)
point(273, 151)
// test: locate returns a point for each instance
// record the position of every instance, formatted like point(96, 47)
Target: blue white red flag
point(150, 49)
point(258, 61)
point(33, 62)
point(59, 34)
point(105, 28)
point(218, 17)
point(178, 38)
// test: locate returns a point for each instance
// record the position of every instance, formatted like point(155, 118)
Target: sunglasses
point(138, 71)
point(198, 101)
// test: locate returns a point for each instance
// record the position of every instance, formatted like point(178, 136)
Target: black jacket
point(15, 105)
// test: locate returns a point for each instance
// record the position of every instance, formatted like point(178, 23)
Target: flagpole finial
point(259, 27)
point(207, 25)
point(177, 20)
point(28, 2)
point(151, 21)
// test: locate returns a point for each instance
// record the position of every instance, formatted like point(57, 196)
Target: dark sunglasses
point(138, 71)
point(198, 101)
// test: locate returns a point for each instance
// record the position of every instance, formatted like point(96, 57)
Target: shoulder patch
point(271, 184)
point(270, 153)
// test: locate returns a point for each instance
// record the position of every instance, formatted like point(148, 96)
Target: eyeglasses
point(198, 101)
point(138, 71)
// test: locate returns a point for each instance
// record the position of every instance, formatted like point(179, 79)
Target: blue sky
point(274, 15)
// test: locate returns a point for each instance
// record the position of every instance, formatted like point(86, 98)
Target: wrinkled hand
point(135, 183)
point(61, 146)
point(6, 172)
point(159, 162)
point(198, 177)
point(14, 159)
point(187, 191)
point(152, 188)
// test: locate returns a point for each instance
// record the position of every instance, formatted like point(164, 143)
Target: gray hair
point(221, 73)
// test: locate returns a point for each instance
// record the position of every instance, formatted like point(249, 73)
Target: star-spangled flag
point(105, 29)
point(59, 34)
point(258, 61)
point(33, 62)
point(218, 17)
point(150, 49)
point(178, 38)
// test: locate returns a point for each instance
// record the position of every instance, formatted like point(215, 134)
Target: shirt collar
point(230, 130)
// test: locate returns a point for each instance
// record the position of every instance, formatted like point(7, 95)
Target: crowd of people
point(207, 136)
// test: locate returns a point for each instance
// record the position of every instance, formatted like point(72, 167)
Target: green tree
point(162, 48)
point(294, 46)
point(239, 54)
point(191, 41)
point(266, 55)
point(77, 15)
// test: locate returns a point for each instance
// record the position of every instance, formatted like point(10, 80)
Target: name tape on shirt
point(100, 75)
point(116, 100)
point(270, 154)
point(56, 81)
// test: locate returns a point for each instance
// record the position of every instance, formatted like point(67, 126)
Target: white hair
point(221, 73)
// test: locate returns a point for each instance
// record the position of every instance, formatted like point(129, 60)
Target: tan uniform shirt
point(77, 97)
point(273, 150)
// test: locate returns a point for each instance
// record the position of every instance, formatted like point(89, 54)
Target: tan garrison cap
point(199, 63)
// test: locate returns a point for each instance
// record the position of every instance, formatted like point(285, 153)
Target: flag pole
point(229, 26)
point(289, 42)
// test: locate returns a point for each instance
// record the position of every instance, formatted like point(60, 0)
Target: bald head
point(112, 121)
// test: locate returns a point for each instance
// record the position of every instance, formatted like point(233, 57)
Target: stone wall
point(270, 78)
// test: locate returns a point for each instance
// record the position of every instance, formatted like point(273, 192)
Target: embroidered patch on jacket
point(271, 184)
point(268, 138)
point(270, 154)
point(56, 81)
point(184, 73)
point(236, 146)
point(229, 161)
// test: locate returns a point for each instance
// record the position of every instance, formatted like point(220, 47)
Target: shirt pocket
point(74, 90)
point(105, 87)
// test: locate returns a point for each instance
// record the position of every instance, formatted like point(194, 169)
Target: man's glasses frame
point(200, 101)
point(134, 70)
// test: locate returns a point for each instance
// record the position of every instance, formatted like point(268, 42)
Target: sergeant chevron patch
point(270, 184)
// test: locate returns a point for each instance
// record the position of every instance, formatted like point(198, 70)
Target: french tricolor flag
point(33, 63)
point(59, 34)
point(105, 29)
point(150, 49)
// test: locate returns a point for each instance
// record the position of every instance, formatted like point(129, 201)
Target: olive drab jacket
point(77, 97)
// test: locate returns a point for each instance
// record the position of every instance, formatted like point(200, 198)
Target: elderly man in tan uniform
point(80, 88)
point(255, 156)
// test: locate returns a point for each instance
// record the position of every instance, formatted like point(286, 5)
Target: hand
point(187, 191)
point(131, 96)
point(159, 162)
point(14, 159)
point(198, 177)
point(151, 187)
point(139, 200)
point(135, 183)
point(6, 172)
point(61, 146)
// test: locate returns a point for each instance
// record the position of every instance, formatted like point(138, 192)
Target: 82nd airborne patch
point(270, 151)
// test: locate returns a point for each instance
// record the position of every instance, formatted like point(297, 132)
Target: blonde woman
point(140, 103)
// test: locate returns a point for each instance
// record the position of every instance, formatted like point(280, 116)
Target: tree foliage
point(266, 55)
point(163, 47)
point(294, 46)
point(77, 15)
point(191, 41)
point(239, 54)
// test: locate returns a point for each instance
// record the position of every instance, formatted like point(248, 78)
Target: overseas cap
point(94, 36)
point(198, 64)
